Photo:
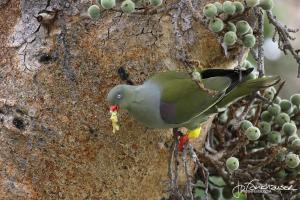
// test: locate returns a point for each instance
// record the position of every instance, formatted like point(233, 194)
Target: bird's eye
point(119, 96)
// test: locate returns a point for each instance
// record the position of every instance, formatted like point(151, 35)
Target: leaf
point(217, 180)
point(200, 184)
point(201, 194)
point(239, 196)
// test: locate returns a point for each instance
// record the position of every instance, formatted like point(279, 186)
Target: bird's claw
point(238, 71)
point(209, 91)
point(197, 77)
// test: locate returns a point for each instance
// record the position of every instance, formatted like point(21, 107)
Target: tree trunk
point(56, 136)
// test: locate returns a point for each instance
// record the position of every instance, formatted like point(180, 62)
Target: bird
point(173, 99)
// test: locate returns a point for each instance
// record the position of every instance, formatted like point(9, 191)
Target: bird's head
point(120, 96)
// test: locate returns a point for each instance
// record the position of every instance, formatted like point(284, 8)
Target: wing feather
point(182, 99)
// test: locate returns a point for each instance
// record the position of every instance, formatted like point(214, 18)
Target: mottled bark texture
point(55, 133)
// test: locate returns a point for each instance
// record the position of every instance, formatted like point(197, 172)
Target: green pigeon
point(173, 99)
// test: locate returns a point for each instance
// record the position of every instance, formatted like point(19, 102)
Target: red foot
point(182, 140)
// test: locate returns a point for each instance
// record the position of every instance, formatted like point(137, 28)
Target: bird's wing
point(247, 87)
point(182, 99)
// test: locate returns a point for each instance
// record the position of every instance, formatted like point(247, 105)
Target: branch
point(284, 43)
point(260, 42)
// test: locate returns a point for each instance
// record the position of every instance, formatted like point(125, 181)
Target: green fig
point(274, 137)
point(219, 7)
point(216, 25)
point(264, 127)
point(295, 99)
point(210, 10)
point(266, 116)
point(155, 2)
point(239, 7)
point(292, 160)
point(94, 12)
point(266, 4)
point(242, 27)
point(282, 118)
point(229, 7)
point(252, 3)
point(249, 40)
point(289, 128)
point(252, 133)
point(232, 163)
point(245, 124)
point(274, 109)
point(230, 38)
point(128, 6)
point(108, 4)
point(231, 27)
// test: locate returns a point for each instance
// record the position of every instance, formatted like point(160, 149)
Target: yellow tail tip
point(194, 133)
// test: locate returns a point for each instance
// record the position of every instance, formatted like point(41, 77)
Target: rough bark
point(56, 138)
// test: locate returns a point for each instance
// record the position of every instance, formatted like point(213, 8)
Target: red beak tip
point(114, 108)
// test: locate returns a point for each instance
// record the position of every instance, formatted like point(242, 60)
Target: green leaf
point(200, 184)
point(217, 180)
point(200, 193)
point(239, 196)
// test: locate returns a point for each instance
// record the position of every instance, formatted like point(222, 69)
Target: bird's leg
point(181, 143)
point(200, 165)
point(196, 76)
point(174, 163)
point(170, 169)
point(189, 189)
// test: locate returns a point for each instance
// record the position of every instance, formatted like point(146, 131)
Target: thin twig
point(246, 109)
point(284, 43)
point(278, 90)
point(170, 168)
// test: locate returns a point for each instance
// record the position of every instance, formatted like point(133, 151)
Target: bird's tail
point(247, 88)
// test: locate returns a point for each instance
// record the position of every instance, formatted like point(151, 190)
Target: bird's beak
point(114, 108)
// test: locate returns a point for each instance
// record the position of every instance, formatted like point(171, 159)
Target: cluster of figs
point(277, 126)
point(232, 30)
point(127, 6)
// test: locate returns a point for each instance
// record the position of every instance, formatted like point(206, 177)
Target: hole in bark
point(18, 123)
point(123, 74)
point(46, 58)
point(20, 111)
point(93, 132)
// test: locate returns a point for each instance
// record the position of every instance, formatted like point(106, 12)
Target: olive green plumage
point(188, 98)
point(172, 99)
